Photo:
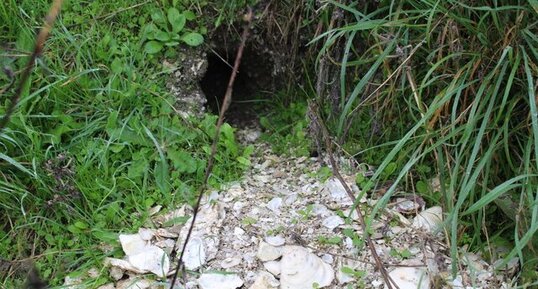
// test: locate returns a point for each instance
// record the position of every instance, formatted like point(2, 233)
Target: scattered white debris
point(265, 280)
point(275, 240)
point(269, 224)
point(333, 222)
point(410, 278)
point(135, 283)
point(274, 205)
point(230, 262)
point(219, 281)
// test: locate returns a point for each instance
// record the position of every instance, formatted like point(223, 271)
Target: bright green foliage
point(168, 30)
point(285, 128)
point(95, 141)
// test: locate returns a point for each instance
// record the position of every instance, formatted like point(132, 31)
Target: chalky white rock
point(410, 278)
point(300, 269)
point(219, 281)
point(267, 252)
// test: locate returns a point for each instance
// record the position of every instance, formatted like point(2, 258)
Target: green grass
point(424, 89)
point(447, 89)
point(95, 141)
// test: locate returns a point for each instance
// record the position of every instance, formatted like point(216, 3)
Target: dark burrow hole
point(252, 87)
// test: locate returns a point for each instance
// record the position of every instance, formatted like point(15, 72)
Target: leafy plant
point(334, 240)
point(169, 30)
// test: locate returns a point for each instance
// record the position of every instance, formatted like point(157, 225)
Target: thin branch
point(40, 43)
point(328, 144)
point(224, 107)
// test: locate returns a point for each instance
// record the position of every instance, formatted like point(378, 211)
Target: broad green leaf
point(193, 38)
point(183, 162)
point(153, 47)
point(171, 43)
point(116, 66)
point(161, 166)
point(422, 187)
point(162, 36)
point(81, 225)
point(244, 161)
point(138, 167)
point(176, 19)
point(149, 31)
point(191, 16)
point(158, 17)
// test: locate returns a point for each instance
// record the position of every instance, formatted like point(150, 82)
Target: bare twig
point(40, 42)
point(328, 144)
point(224, 107)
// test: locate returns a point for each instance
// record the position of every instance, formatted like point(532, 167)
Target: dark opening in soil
point(252, 84)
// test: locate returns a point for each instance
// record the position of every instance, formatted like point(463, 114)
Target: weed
point(442, 88)
point(95, 141)
point(285, 128)
point(334, 240)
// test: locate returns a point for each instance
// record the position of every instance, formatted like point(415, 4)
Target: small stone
point(333, 222)
point(195, 255)
point(267, 252)
point(132, 243)
point(410, 278)
point(265, 280)
point(134, 282)
point(274, 205)
point(299, 269)
point(116, 273)
point(262, 178)
point(93, 273)
point(337, 191)
point(146, 234)
point(273, 267)
point(219, 281)
point(230, 262)
point(161, 232)
point(275, 240)
point(377, 283)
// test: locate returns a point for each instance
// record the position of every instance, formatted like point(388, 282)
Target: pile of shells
point(287, 225)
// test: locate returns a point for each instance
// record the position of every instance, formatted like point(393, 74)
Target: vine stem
point(328, 145)
point(225, 104)
point(38, 49)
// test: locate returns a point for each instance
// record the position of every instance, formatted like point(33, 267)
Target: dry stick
point(224, 107)
point(379, 264)
point(40, 42)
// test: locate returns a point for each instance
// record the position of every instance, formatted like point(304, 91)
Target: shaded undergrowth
point(445, 89)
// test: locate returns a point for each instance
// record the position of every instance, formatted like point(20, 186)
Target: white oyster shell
point(265, 280)
point(430, 219)
point(219, 281)
point(267, 252)
point(195, 255)
point(300, 269)
point(410, 278)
